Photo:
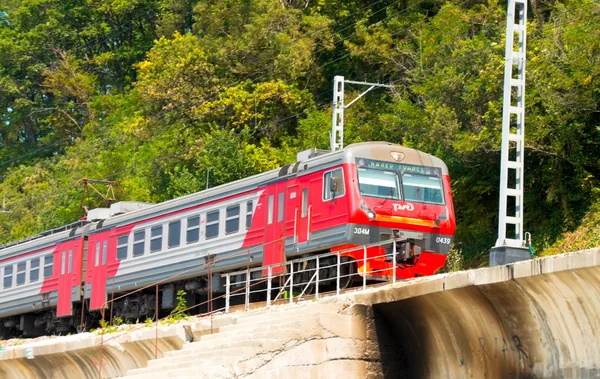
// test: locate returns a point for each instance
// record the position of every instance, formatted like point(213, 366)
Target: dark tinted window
point(212, 224)
point(34, 274)
point(48, 265)
point(333, 184)
point(232, 220)
point(70, 267)
point(138, 242)
point(280, 207)
point(249, 210)
point(122, 242)
point(193, 229)
point(304, 202)
point(21, 267)
point(174, 233)
point(156, 238)
point(8, 271)
point(271, 209)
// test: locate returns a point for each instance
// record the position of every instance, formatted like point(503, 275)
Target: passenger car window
point(232, 219)
point(156, 238)
point(8, 274)
point(193, 229)
point(21, 268)
point(138, 242)
point(212, 224)
point(122, 242)
point(48, 265)
point(174, 233)
point(249, 211)
point(34, 273)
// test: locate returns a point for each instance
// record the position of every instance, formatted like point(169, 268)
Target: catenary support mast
point(510, 245)
point(337, 117)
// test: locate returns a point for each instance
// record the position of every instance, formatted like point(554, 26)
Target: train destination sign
point(403, 168)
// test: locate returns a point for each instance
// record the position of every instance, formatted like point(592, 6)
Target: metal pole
point(365, 268)
point(317, 279)
point(337, 281)
point(247, 305)
point(227, 292)
point(156, 332)
point(513, 126)
point(394, 262)
point(269, 277)
point(291, 283)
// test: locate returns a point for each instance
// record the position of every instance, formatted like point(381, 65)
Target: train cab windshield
point(400, 186)
point(423, 189)
point(378, 183)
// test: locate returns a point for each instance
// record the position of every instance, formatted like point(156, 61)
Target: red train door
point(97, 268)
point(275, 230)
point(68, 257)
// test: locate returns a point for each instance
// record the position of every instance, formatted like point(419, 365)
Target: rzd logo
point(404, 207)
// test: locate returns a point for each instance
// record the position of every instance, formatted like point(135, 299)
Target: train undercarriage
point(192, 296)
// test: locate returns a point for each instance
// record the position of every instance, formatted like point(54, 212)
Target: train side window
point(97, 260)
point(49, 265)
point(70, 266)
point(63, 262)
point(193, 229)
point(122, 242)
point(156, 233)
point(304, 202)
point(249, 210)
point(333, 184)
point(174, 233)
point(270, 210)
point(232, 219)
point(212, 224)
point(139, 239)
point(8, 272)
point(104, 251)
point(21, 268)
point(34, 273)
point(280, 207)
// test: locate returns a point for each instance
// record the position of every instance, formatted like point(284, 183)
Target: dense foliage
point(153, 93)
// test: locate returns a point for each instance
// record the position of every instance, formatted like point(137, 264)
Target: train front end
point(403, 195)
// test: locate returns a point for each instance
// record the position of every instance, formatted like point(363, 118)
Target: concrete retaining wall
point(533, 319)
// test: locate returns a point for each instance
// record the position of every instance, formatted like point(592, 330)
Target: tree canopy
point(154, 93)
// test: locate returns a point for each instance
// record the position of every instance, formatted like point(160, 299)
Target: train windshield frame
point(397, 181)
point(423, 189)
point(378, 183)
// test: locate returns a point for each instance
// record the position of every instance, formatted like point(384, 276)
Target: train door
point(97, 268)
point(275, 230)
point(68, 256)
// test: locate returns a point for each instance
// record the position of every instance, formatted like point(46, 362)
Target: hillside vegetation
point(153, 93)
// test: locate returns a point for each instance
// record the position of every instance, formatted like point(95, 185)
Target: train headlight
point(368, 211)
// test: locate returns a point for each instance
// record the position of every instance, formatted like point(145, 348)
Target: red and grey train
point(366, 193)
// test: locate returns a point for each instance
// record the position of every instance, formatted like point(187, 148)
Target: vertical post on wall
point(247, 302)
point(317, 279)
point(337, 275)
point(227, 292)
point(364, 268)
point(269, 277)
point(511, 248)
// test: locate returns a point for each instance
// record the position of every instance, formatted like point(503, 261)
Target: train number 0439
point(445, 240)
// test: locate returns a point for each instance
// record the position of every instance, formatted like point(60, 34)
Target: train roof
point(318, 160)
